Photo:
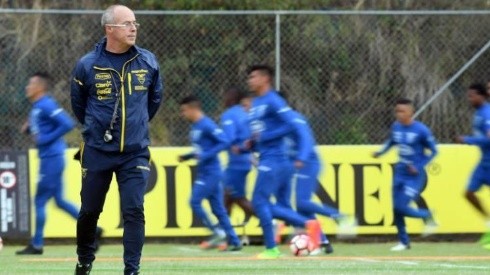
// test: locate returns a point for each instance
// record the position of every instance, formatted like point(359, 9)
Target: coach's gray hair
point(108, 16)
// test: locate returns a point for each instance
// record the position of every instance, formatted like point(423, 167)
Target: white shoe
point(430, 228)
point(220, 233)
point(245, 240)
point(347, 227)
point(487, 223)
point(316, 252)
point(400, 247)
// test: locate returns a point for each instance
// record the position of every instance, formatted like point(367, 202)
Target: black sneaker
point(30, 250)
point(98, 237)
point(83, 269)
point(327, 248)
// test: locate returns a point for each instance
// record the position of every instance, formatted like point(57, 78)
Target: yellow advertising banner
point(350, 179)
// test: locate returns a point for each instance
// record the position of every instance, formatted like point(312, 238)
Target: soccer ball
point(301, 245)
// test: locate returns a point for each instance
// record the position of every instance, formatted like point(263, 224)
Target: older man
point(116, 90)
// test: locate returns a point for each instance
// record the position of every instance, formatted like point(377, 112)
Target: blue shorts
point(206, 186)
point(234, 182)
point(409, 186)
point(481, 176)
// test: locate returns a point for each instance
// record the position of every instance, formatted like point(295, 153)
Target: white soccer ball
point(301, 245)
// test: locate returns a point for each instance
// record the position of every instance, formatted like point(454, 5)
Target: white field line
point(407, 262)
point(465, 266)
point(368, 260)
point(197, 250)
point(189, 249)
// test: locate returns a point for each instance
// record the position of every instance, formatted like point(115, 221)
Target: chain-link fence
point(342, 70)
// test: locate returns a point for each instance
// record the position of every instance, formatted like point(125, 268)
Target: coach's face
point(125, 29)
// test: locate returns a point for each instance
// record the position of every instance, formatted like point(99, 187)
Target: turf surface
point(438, 258)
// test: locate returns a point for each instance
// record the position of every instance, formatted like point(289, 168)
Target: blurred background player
point(47, 124)
point(477, 97)
point(208, 141)
point(413, 138)
point(306, 179)
point(234, 122)
point(270, 111)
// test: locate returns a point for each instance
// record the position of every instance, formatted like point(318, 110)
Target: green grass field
point(447, 258)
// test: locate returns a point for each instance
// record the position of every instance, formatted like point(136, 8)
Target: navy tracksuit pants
point(132, 170)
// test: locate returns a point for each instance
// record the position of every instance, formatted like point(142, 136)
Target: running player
point(208, 140)
point(477, 97)
point(268, 112)
point(47, 124)
point(306, 179)
point(412, 138)
point(234, 122)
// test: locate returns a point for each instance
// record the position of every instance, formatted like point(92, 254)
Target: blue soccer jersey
point(412, 141)
point(208, 141)
point(234, 122)
point(48, 123)
point(301, 148)
point(481, 130)
point(270, 112)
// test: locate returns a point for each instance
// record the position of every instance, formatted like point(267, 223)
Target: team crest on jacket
point(141, 78)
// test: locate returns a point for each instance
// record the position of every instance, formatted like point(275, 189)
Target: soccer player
point(116, 89)
point(47, 124)
point(208, 141)
point(306, 179)
point(268, 112)
point(477, 97)
point(234, 122)
point(412, 138)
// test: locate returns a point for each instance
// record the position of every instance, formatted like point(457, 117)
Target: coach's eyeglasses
point(126, 25)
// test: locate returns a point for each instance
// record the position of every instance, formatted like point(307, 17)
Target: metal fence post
point(453, 78)
point(278, 51)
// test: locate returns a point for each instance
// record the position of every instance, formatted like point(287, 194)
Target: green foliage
point(342, 72)
point(227, 4)
point(351, 131)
